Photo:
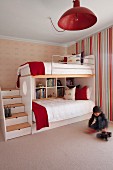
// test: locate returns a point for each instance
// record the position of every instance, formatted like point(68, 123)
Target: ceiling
point(28, 19)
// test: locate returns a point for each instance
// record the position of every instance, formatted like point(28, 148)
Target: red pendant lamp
point(77, 18)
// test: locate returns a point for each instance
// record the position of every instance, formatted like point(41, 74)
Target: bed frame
point(88, 63)
point(87, 67)
point(27, 91)
point(27, 88)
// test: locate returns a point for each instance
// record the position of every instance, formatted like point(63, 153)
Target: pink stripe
point(91, 43)
point(100, 70)
point(76, 48)
point(110, 61)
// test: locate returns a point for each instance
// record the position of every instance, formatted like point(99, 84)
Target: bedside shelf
point(51, 87)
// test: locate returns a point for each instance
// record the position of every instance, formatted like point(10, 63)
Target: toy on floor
point(104, 135)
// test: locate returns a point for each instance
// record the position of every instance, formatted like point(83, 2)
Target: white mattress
point(60, 109)
point(58, 68)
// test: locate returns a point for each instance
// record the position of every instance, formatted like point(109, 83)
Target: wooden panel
point(15, 115)
point(18, 109)
point(16, 120)
point(11, 97)
point(10, 92)
point(12, 101)
point(14, 105)
point(63, 75)
point(27, 98)
point(18, 133)
point(18, 126)
point(8, 89)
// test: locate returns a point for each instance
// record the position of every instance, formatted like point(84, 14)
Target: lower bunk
point(56, 124)
point(52, 113)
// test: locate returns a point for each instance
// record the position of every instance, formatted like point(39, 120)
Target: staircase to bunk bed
point(17, 125)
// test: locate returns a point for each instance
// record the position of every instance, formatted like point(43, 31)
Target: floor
point(64, 148)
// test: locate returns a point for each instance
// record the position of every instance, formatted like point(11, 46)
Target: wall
point(71, 49)
point(14, 53)
point(83, 45)
point(101, 46)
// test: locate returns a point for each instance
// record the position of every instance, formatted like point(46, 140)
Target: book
point(60, 92)
point(40, 93)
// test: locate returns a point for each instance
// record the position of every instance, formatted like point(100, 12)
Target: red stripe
point(76, 48)
point(83, 42)
point(91, 43)
point(100, 70)
point(110, 61)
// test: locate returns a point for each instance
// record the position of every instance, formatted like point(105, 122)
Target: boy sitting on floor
point(101, 123)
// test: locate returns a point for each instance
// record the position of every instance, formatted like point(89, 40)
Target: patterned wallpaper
point(14, 53)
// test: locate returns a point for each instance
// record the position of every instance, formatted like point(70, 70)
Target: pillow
point(89, 60)
point(89, 89)
point(70, 93)
point(81, 93)
point(74, 59)
point(65, 60)
point(71, 59)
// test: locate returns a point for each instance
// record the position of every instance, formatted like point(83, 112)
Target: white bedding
point(58, 68)
point(60, 109)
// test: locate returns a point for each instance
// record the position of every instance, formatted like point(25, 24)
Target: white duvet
point(58, 68)
point(60, 109)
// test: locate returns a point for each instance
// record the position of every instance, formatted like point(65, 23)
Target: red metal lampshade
point(77, 18)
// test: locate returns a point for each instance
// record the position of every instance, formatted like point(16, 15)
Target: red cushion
point(65, 60)
point(81, 93)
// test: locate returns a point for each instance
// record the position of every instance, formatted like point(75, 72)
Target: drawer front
point(12, 101)
point(18, 133)
point(17, 120)
point(10, 92)
point(17, 109)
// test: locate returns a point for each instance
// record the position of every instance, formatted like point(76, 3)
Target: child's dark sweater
point(99, 120)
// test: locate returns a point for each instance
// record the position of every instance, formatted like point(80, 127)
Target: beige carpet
point(64, 148)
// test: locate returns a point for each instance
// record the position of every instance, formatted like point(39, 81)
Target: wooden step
point(10, 92)
point(9, 89)
point(16, 115)
point(11, 97)
point(18, 126)
point(14, 105)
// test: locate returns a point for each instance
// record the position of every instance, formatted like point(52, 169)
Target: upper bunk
point(60, 66)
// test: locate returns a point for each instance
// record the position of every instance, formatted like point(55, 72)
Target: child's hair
point(96, 109)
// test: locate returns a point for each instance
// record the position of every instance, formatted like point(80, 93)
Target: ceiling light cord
point(54, 26)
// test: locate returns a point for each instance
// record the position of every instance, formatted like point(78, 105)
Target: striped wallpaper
point(101, 45)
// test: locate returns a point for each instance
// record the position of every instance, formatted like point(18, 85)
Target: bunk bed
point(49, 110)
point(52, 68)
